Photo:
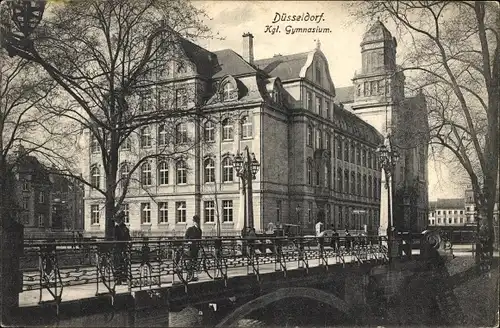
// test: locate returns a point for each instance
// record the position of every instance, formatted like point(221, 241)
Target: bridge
point(148, 282)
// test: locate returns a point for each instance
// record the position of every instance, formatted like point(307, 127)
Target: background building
point(378, 97)
point(47, 205)
point(449, 212)
point(317, 159)
point(33, 194)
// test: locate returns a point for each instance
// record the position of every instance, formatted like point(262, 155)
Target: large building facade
point(316, 158)
point(378, 97)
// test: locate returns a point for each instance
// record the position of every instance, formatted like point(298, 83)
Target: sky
point(341, 46)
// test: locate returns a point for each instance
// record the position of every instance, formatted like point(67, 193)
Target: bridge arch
point(282, 293)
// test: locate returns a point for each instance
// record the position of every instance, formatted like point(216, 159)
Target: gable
point(316, 70)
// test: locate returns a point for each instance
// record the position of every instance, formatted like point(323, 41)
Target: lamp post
point(246, 167)
point(388, 159)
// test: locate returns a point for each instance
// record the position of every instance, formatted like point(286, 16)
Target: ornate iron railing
point(148, 263)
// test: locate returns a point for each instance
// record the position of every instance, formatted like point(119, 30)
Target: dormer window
point(228, 91)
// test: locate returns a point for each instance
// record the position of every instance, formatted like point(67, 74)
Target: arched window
point(209, 131)
point(246, 127)
point(124, 172)
point(162, 135)
point(363, 158)
point(353, 183)
point(369, 159)
point(181, 171)
point(328, 177)
point(163, 173)
point(146, 174)
point(346, 151)
point(309, 172)
point(375, 187)
point(227, 91)
point(364, 191)
point(227, 129)
point(94, 145)
point(276, 94)
point(319, 139)
point(95, 177)
point(309, 135)
point(181, 133)
point(358, 184)
point(358, 155)
point(346, 181)
point(227, 170)
point(370, 191)
point(338, 146)
point(339, 179)
point(353, 153)
point(209, 170)
point(146, 137)
point(328, 141)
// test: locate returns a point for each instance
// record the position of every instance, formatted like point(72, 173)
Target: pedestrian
point(335, 239)
point(347, 240)
point(122, 235)
point(193, 232)
point(320, 231)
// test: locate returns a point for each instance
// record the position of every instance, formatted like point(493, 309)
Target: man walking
point(193, 232)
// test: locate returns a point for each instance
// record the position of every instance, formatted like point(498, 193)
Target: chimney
point(248, 47)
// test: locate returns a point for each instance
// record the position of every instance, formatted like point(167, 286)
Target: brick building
point(317, 159)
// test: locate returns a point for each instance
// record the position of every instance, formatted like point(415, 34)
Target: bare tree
point(114, 59)
point(455, 59)
point(25, 129)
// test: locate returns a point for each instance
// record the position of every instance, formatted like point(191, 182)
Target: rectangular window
point(180, 212)
point(94, 214)
point(26, 203)
point(246, 128)
point(328, 110)
point(309, 100)
point(209, 210)
point(180, 97)
point(41, 220)
point(319, 106)
point(162, 212)
point(145, 213)
point(209, 132)
point(125, 210)
point(227, 211)
point(41, 198)
point(26, 186)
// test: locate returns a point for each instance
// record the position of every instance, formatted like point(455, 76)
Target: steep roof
point(351, 123)
point(377, 32)
point(230, 63)
point(344, 95)
point(285, 67)
point(205, 61)
point(449, 203)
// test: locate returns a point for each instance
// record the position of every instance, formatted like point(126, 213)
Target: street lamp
point(388, 159)
point(26, 16)
point(246, 167)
